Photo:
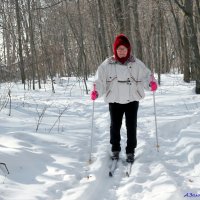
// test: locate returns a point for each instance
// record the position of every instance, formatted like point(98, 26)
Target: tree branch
point(180, 5)
point(198, 6)
point(183, 8)
point(50, 6)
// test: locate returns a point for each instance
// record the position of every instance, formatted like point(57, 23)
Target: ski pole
point(156, 127)
point(92, 129)
point(154, 103)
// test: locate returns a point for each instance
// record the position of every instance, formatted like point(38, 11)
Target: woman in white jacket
point(121, 79)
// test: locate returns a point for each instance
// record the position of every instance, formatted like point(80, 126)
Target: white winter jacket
point(122, 83)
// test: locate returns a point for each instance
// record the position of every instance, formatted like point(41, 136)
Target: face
point(122, 51)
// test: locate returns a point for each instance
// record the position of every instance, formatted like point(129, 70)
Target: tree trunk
point(31, 34)
point(45, 54)
point(138, 38)
point(21, 63)
point(197, 89)
point(186, 49)
point(195, 55)
point(119, 15)
point(101, 31)
point(127, 20)
point(180, 44)
point(194, 43)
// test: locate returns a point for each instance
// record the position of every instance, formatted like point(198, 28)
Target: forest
point(44, 39)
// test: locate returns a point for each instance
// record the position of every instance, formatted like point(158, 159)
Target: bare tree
point(138, 38)
point(44, 39)
point(195, 54)
point(119, 14)
point(19, 31)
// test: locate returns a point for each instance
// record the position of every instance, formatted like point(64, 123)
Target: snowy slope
point(52, 163)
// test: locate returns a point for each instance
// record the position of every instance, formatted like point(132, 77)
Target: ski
point(129, 169)
point(113, 167)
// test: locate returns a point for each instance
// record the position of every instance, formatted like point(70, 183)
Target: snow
point(52, 163)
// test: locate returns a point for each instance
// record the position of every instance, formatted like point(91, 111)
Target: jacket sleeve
point(100, 80)
point(147, 77)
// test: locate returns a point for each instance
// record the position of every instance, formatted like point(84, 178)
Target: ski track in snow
point(54, 165)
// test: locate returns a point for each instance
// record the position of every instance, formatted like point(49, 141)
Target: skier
point(122, 79)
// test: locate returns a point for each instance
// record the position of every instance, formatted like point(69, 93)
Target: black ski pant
point(116, 116)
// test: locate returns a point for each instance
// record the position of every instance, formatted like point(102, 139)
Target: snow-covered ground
point(52, 162)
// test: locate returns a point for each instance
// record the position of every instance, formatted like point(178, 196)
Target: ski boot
point(115, 155)
point(130, 157)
